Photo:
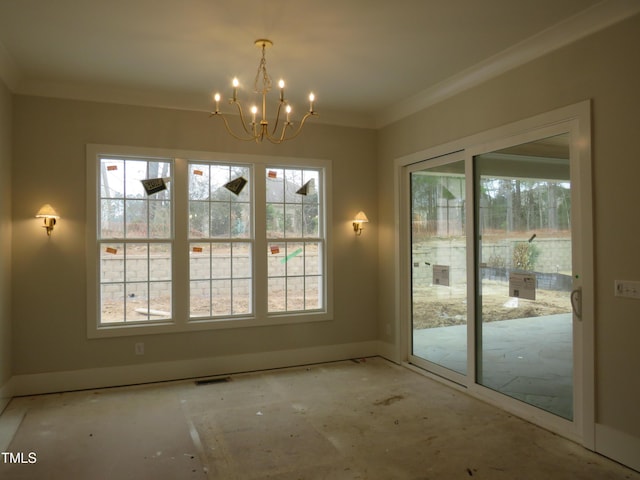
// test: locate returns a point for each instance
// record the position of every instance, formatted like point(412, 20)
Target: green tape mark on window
point(291, 255)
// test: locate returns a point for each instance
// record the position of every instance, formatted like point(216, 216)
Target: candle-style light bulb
point(288, 110)
point(216, 97)
point(254, 110)
point(312, 97)
point(281, 85)
point(235, 84)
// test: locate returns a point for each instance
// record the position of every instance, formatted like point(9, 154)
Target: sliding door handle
point(576, 302)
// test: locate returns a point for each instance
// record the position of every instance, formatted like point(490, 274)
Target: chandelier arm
point(275, 124)
point(299, 129)
point(231, 132)
point(242, 120)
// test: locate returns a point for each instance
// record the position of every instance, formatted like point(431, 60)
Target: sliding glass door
point(438, 264)
point(492, 271)
point(524, 339)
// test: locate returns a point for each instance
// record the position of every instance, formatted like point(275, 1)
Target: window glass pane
point(242, 260)
point(236, 172)
point(200, 299)
point(159, 300)
point(221, 260)
point(240, 220)
point(111, 262)
point(295, 293)
point(293, 220)
point(136, 301)
point(136, 219)
point(310, 219)
point(111, 218)
point(159, 219)
point(160, 261)
point(220, 220)
point(198, 182)
point(198, 219)
point(241, 296)
point(136, 262)
point(135, 171)
point(313, 258)
point(275, 220)
point(200, 261)
point(277, 294)
point(221, 297)
point(313, 292)
point(275, 260)
point(292, 182)
point(111, 178)
point(112, 302)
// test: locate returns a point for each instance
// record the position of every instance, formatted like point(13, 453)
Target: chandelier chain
point(266, 78)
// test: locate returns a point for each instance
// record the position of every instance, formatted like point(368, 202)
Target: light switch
point(627, 288)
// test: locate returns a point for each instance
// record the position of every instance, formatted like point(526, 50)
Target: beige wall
point(49, 273)
point(603, 68)
point(5, 241)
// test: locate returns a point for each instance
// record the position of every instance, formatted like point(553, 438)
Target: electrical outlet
point(139, 348)
point(627, 288)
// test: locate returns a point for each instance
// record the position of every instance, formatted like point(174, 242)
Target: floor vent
point(209, 381)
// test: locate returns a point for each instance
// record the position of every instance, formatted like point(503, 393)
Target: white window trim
point(180, 321)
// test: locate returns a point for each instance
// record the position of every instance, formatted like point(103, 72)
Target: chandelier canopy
point(258, 128)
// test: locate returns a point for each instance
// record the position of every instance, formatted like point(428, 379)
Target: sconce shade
point(50, 216)
point(47, 211)
point(361, 218)
point(358, 221)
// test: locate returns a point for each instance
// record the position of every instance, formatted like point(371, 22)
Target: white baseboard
point(618, 446)
point(38, 383)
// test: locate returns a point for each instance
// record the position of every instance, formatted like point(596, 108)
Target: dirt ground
point(445, 306)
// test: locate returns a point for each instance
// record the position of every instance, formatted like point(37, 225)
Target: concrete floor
point(367, 419)
point(529, 359)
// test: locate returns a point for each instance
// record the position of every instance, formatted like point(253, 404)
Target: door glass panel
point(438, 266)
point(524, 321)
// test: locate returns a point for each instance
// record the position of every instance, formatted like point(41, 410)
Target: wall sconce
point(50, 216)
point(358, 221)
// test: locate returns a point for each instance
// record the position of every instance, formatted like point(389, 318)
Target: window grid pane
point(135, 282)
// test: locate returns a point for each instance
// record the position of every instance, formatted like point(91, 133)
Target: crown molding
point(595, 18)
point(587, 22)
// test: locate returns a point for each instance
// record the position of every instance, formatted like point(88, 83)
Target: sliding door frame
point(576, 120)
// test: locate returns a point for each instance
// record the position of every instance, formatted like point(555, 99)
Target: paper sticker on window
point(522, 285)
point(306, 189)
point(110, 168)
point(111, 250)
point(272, 174)
point(275, 249)
point(441, 275)
point(236, 185)
point(197, 249)
point(198, 172)
point(155, 185)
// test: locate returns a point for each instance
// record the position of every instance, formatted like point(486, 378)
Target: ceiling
point(367, 61)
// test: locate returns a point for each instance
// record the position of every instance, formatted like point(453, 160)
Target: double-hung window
point(220, 240)
point(135, 241)
point(189, 241)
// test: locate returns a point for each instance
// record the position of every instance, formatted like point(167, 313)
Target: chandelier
point(258, 128)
